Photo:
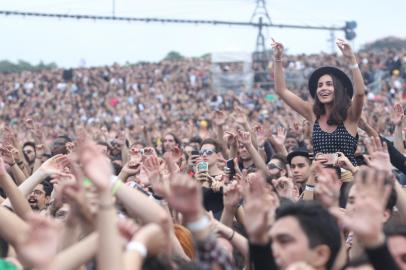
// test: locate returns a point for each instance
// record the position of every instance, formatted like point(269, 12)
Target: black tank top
point(339, 140)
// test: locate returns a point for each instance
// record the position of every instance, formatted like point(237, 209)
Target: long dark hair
point(341, 103)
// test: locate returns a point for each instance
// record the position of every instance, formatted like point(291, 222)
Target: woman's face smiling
point(325, 89)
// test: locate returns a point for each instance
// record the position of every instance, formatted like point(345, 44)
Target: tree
point(387, 42)
point(10, 67)
point(174, 56)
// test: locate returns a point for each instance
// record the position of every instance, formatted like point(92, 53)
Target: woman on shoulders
point(337, 103)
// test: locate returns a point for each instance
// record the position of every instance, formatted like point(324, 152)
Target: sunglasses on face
point(272, 166)
point(207, 152)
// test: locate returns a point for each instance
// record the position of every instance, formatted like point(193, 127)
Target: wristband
point(116, 186)
point(277, 59)
point(353, 66)
point(87, 182)
point(137, 247)
point(309, 188)
point(198, 225)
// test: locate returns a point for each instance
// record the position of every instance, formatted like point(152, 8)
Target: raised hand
point(131, 168)
point(232, 195)
point(378, 155)
point(29, 123)
point(345, 48)
point(230, 138)
point(185, 196)
point(240, 116)
point(328, 187)
point(158, 182)
point(135, 155)
point(244, 137)
point(285, 187)
point(277, 49)
point(16, 154)
point(259, 208)
point(219, 118)
point(95, 165)
point(398, 114)
point(280, 136)
point(372, 195)
point(7, 155)
point(39, 244)
point(54, 165)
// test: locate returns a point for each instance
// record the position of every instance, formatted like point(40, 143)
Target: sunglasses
point(206, 152)
point(272, 166)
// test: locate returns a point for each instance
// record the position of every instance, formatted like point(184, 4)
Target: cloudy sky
point(66, 42)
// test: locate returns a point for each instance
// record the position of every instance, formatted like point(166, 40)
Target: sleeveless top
point(339, 140)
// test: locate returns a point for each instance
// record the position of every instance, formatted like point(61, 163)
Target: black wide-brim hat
point(338, 73)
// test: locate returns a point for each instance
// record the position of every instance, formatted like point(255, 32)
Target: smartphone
point(331, 159)
point(195, 153)
point(230, 166)
point(202, 166)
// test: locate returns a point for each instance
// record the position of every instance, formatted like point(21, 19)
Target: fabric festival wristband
point(137, 247)
point(352, 67)
point(199, 225)
point(116, 186)
point(87, 182)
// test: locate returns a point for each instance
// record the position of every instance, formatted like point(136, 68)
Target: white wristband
point(199, 225)
point(309, 188)
point(138, 247)
point(353, 66)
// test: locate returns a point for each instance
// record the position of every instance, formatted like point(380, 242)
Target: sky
point(68, 42)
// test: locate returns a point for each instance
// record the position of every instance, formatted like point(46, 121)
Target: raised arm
point(17, 199)
point(296, 103)
point(97, 168)
point(359, 88)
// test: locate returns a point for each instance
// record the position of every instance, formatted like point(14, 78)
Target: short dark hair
point(31, 144)
point(395, 230)
point(281, 158)
point(341, 103)
point(47, 186)
point(195, 139)
point(317, 223)
point(217, 146)
point(357, 262)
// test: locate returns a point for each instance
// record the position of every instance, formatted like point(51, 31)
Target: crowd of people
point(147, 167)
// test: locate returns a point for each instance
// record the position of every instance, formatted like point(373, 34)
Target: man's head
point(59, 145)
point(209, 151)
point(277, 166)
point(243, 153)
point(300, 164)
point(104, 147)
point(396, 236)
point(305, 232)
point(291, 142)
point(170, 141)
point(29, 152)
point(40, 196)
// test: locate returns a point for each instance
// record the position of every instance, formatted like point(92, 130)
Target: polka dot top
point(340, 140)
